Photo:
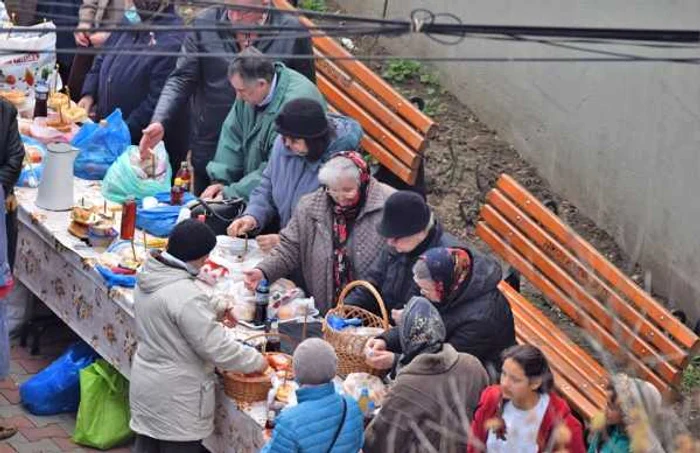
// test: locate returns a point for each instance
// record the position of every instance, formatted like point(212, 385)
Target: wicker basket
point(246, 388)
point(350, 348)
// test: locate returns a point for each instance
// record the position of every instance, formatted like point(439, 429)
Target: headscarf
point(421, 330)
point(448, 267)
point(641, 405)
point(343, 220)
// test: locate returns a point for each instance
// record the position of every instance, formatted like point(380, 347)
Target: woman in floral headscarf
point(332, 235)
point(435, 387)
point(463, 285)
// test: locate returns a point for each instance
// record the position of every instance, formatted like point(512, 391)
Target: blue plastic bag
point(160, 221)
point(56, 389)
point(30, 175)
point(100, 146)
point(113, 279)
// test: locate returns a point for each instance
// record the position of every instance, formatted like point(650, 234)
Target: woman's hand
point(252, 278)
point(86, 102)
point(98, 39)
point(267, 242)
point(150, 137)
point(213, 192)
point(242, 225)
point(381, 360)
point(376, 344)
point(81, 37)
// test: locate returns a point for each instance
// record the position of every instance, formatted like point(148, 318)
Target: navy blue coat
point(133, 83)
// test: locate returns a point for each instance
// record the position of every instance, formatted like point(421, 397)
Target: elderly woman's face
point(296, 145)
point(344, 191)
point(428, 289)
point(246, 17)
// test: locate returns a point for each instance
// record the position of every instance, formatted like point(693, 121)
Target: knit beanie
point(302, 118)
point(191, 240)
point(314, 362)
point(405, 214)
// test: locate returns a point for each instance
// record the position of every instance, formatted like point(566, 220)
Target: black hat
point(405, 214)
point(302, 118)
point(191, 240)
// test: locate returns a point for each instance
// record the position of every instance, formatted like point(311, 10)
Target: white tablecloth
point(59, 269)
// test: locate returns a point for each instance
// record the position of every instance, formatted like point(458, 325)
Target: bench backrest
point(574, 276)
point(396, 132)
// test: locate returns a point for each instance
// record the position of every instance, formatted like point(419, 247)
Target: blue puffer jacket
point(310, 426)
point(294, 176)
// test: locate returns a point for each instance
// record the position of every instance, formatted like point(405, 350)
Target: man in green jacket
point(262, 89)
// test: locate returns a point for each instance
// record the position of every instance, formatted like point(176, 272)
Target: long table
point(59, 269)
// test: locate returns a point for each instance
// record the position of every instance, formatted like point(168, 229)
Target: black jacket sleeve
point(181, 82)
point(12, 151)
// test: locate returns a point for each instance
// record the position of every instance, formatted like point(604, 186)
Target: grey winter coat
point(288, 177)
point(307, 243)
point(180, 342)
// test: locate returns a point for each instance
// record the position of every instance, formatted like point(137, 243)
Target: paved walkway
point(36, 434)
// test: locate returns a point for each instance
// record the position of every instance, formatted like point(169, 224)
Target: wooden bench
point(613, 311)
point(396, 132)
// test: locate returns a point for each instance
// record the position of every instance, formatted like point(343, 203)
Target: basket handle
point(368, 286)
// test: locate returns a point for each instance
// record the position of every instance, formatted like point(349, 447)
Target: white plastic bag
point(36, 61)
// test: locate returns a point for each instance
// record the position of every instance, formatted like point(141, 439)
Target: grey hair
point(336, 169)
point(251, 65)
point(421, 271)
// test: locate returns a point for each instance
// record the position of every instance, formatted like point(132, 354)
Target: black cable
point(93, 51)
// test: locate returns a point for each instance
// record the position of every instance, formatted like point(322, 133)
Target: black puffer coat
point(392, 273)
point(477, 317)
point(205, 79)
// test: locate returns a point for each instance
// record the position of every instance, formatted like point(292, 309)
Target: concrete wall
point(621, 140)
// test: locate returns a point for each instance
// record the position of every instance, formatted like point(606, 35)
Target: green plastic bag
point(130, 177)
point(103, 415)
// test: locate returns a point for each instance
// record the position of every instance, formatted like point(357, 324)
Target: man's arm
point(181, 82)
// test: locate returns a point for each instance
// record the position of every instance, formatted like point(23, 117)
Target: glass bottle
point(128, 226)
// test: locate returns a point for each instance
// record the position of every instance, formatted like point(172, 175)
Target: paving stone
point(66, 444)
point(41, 421)
point(8, 384)
point(16, 368)
point(19, 422)
point(11, 411)
point(42, 446)
point(33, 366)
point(6, 448)
point(12, 395)
point(21, 378)
point(34, 434)
point(4, 402)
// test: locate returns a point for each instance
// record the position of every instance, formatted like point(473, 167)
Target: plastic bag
point(100, 146)
point(160, 220)
point(103, 416)
point(33, 165)
point(27, 57)
point(129, 176)
point(56, 389)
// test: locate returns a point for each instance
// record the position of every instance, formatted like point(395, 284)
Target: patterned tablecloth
point(59, 269)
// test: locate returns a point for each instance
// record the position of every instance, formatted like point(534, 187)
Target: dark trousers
point(79, 69)
point(145, 444)
point(201, 178)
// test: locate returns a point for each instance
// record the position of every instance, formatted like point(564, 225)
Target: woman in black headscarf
point(435, 393)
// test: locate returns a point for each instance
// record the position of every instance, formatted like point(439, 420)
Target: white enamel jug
point(56, 188)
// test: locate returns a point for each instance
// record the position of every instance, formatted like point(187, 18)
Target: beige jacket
point(435, 394)
point(179, 343)
point(306, 243)
point(102, 12)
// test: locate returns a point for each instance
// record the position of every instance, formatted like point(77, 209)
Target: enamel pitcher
point(56, 188)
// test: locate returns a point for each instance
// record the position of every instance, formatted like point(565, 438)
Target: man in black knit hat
point(180, 341)
point(410, 229)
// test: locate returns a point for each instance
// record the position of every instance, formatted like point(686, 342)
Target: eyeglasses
point(343, 192)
